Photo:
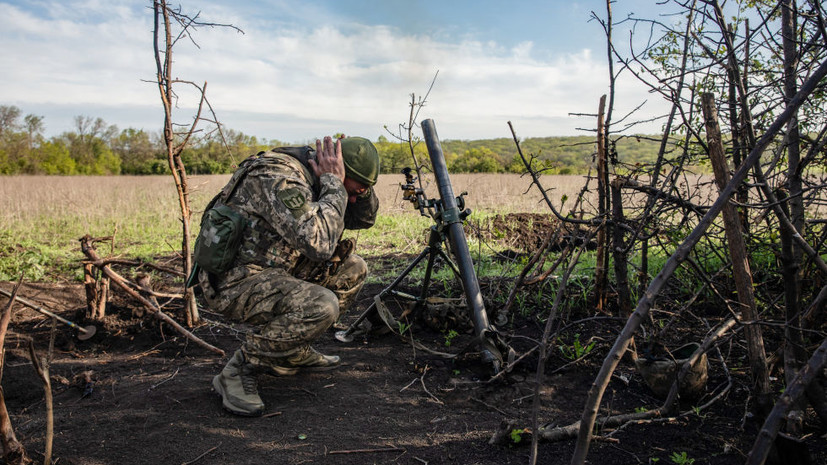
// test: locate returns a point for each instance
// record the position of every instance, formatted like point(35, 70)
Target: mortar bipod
point(433, 250)
point(449, 219)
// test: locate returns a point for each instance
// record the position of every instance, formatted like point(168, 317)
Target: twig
point(268, 415)
point(144, 354)
point(511, 365)
point(543, 348)
point(520, 279)
point(570, 363)
point(366, 451)
point(201, 456)
point(138, 264)
point(409, 384)
point(491, 406)
point(165, 380)
point(41, 366)
point(422, 381)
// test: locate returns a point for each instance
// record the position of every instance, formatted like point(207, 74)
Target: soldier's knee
point(326, 305)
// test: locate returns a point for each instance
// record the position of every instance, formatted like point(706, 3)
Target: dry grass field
point(53, 208)
point(100, 205)
point(42, 217)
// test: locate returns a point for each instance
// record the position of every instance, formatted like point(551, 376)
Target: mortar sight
point(410, 192)
point(417, 197)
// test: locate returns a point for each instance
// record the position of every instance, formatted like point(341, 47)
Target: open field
point(42, 217)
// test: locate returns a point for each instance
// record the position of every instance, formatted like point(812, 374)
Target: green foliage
point(403, 327)
point(98, 148)
point(393, 156)
point(139, 153)
point(681, 459)
point(56, 159)
point(31, 264)
point(517, 435)
point(449, 337)
point(576, 349)
point(478, 160)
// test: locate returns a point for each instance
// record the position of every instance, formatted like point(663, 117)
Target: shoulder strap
point(227, 191)
point(251, 162)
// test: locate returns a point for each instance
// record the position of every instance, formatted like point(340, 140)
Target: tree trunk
point(91, 288)
point(624, 296)
point(794, 353)
point(739, 146)
point(176, 165)
point(103, 297)
point(740, 263)
point(13, 451)
point(601, 266)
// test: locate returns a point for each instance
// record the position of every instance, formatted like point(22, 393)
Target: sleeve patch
point(294, 200)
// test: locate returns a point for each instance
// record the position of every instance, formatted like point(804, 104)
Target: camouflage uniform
point(282, 280)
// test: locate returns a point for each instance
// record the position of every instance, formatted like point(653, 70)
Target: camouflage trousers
point(288, 313)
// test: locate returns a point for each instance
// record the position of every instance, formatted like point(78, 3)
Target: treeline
point(97, 148)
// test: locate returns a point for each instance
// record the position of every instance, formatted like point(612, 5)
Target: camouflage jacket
point(290, 212)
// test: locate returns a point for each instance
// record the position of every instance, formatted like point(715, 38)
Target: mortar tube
point(456, 236)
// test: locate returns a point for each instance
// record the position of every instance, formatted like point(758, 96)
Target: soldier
point(292, 274)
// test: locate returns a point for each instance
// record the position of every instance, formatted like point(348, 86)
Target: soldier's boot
point(237, 386)
point(305, 359)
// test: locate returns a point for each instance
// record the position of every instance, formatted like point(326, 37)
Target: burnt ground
point(150, 397)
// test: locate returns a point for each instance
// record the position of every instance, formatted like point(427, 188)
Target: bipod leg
point(347, 335)
point(451, 264)
point(435, 241)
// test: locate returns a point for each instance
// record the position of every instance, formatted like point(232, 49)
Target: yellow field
point(98, 204)
point(42, 217)
point(48, 208)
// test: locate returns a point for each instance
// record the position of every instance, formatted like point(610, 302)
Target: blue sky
point(304, 69)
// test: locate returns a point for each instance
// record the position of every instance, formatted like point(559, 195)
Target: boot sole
point(284, 371)
point(219, 389)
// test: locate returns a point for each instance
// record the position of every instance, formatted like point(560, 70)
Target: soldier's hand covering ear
point(328, 158)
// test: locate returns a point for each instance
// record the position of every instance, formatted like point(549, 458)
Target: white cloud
point(293, 82)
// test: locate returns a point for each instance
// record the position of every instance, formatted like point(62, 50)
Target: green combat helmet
point(361, 160)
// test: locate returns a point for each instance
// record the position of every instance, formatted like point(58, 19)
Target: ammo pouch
point(219, 239)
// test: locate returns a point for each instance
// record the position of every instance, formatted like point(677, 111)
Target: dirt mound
point(525, 233)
